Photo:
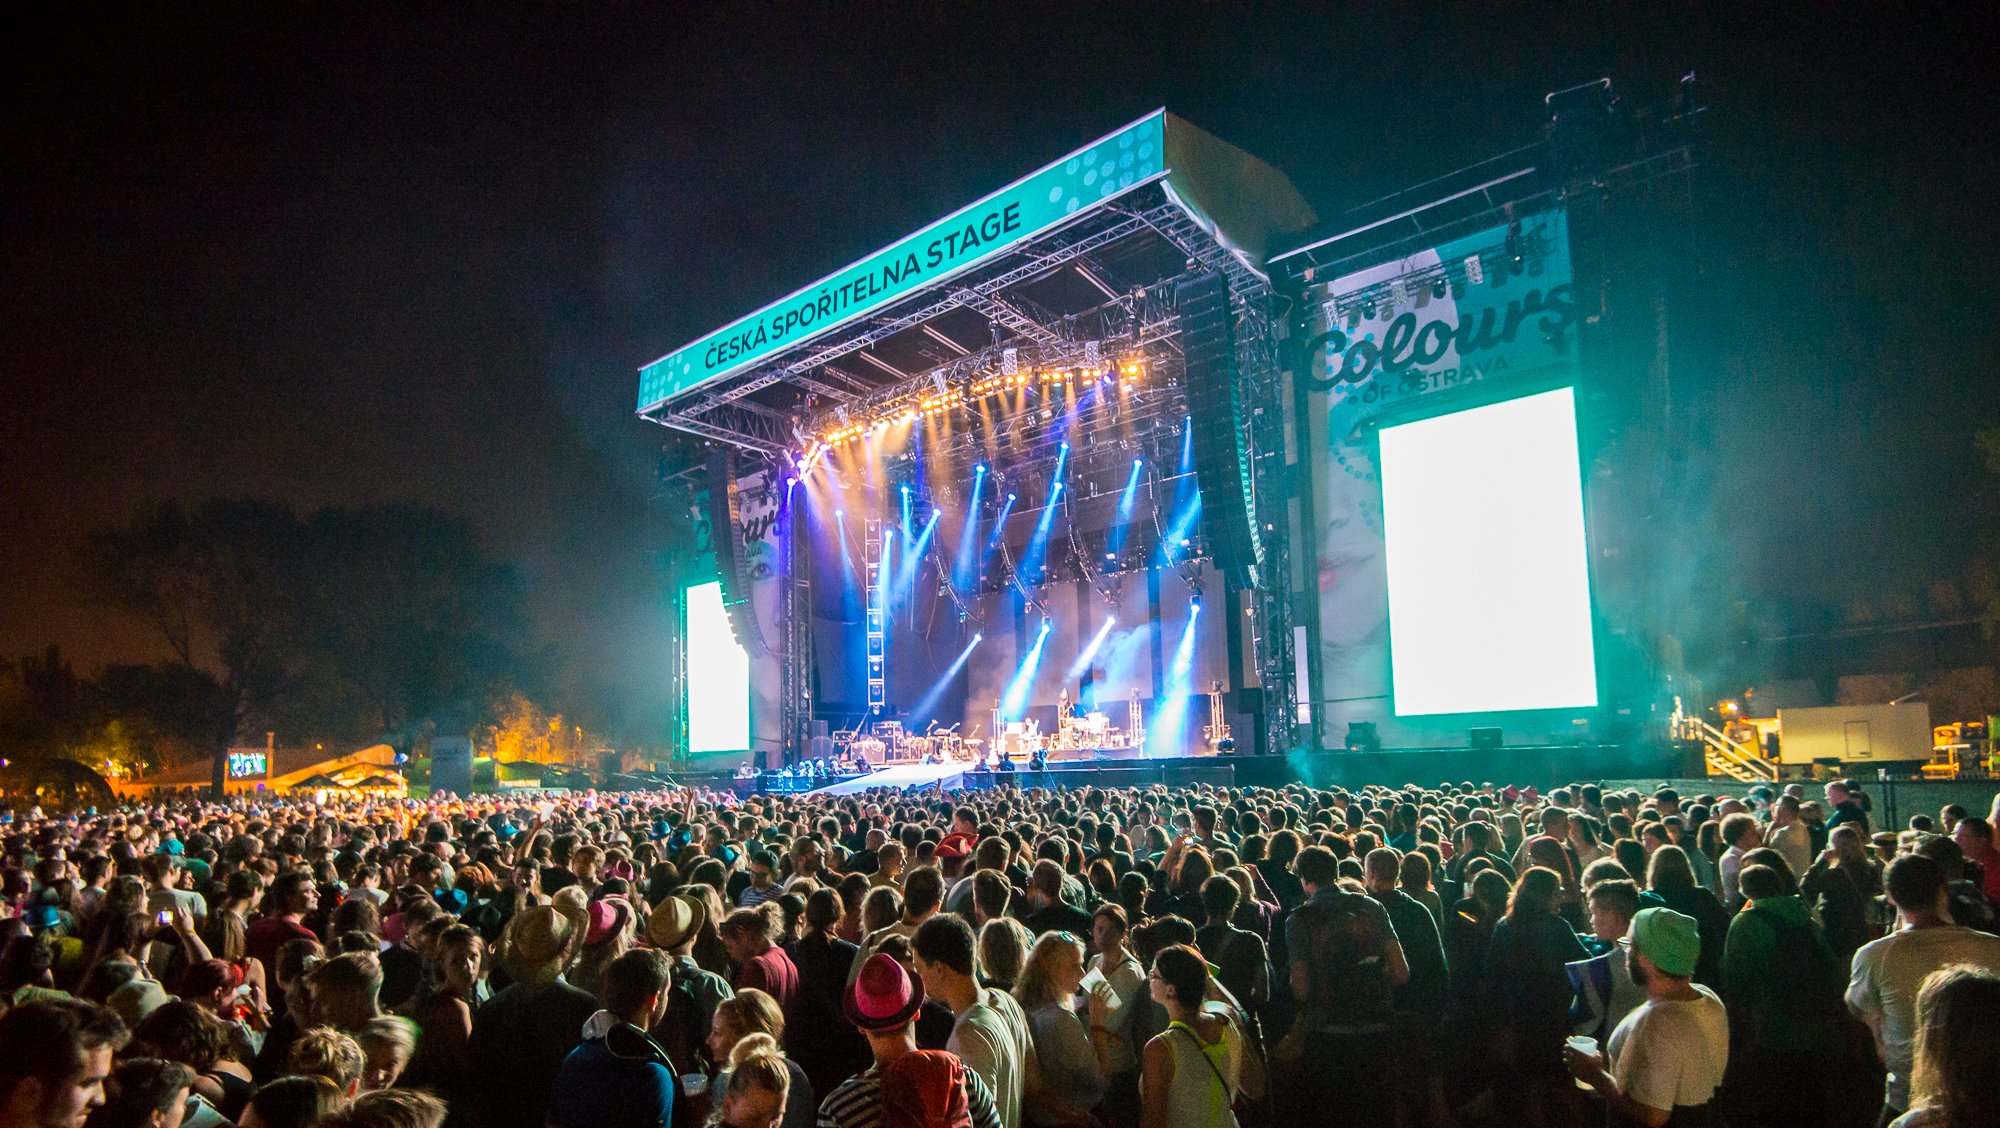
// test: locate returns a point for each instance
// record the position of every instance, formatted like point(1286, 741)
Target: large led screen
point(718, 676)
point(1489, 584)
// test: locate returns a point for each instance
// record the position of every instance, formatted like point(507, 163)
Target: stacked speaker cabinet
point(1220, 444)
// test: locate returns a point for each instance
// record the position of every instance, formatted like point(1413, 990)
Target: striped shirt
point(857, 1103)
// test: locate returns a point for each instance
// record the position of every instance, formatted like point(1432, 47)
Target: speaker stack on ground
point(1220, 446)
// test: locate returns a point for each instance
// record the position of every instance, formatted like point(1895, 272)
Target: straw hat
point(674, 920)
point(538, 944)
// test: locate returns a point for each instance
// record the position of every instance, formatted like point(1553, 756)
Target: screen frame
point(1488, 395)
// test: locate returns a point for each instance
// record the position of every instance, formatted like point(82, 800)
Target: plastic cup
point(694, 1084)
point(1581, 1045)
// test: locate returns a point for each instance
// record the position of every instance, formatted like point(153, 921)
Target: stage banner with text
point(1495, 308)
point(1024, 209)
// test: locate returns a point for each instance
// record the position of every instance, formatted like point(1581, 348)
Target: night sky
point(356, 254)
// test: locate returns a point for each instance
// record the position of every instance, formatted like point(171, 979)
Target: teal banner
point(1022, 210)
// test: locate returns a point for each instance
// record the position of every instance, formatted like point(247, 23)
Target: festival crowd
point(1190, 958)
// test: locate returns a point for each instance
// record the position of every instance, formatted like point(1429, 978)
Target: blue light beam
point(1164, 737)
point(1014, 703)
point(1083, 660)
point(923, 710)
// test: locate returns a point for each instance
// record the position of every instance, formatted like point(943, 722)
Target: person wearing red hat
point(883, 1002)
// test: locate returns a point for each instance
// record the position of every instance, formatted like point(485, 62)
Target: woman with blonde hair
point(1075, 1062)
point(760, 1087)
point(755, 1014)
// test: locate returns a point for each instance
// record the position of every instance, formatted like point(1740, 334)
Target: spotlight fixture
point(1438, 288)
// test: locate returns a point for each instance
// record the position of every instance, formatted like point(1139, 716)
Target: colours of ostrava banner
point(1042, 200)
point(1490, 326)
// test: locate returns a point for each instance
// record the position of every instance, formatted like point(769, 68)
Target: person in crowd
point(388, 1042)
point(1788, 834)
point(182, 1031)
point(751, 935)
point(923, 896)
point(1115, 964)
point(1419, 1004)
point(521, 1037)
point(617, 1075)
point(761, 1090)
point(1072, 1054)
point(823, 959)
point(292, 1101)
point(1887, 973)
point(883, 1002)
point(1194, 1071)
point(1974, 837)
point(747, 1013)
point(326, 1052)
point(55, 1055)
point(1666, 1060)
point(1003, 952)
point(441, 1062)
point(390, 1108)
point(1955, 1079)
point(286, 904)
point(1741, 835)
point(1052, 913)
point(1669, 878)
point(990, 1032)
point(144, 1093)
point(1345, 965)
point(1605, 989)
point(1845, 807)
point(1243, 965)
point(1529, 993)
point(1782, 988)
point(1839, 887)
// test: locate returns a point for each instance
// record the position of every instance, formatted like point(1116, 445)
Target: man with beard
point(1666, 1059)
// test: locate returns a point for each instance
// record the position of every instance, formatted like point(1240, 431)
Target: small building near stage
point(251, 770)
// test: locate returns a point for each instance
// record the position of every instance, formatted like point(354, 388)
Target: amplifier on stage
point(819, 748)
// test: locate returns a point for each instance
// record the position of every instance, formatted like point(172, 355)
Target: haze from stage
point(1489, 585)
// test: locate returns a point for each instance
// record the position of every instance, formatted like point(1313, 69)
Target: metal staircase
point(1726, 757)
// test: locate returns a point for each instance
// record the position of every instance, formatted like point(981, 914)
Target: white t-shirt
point(1887, 974)
point(1671, 1053)
point(992, 1038)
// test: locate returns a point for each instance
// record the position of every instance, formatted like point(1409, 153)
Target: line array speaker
point(1221, 449)
point(725, 523)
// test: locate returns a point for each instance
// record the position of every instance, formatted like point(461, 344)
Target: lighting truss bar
point(795, 372)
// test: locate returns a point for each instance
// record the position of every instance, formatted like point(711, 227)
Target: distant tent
point(379, 783)
point(318, 782)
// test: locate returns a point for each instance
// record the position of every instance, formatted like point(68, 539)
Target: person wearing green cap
point(1665, 1061)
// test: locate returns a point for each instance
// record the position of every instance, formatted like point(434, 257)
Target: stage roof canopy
point(1048, 265)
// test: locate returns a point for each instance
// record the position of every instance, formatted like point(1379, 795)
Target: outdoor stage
point(1104, 463)
point(1544, 766)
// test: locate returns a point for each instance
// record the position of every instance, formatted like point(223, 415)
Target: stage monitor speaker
point(1485, 738)
point(725, 525)
point(1215, 416)
point(451, 764)
point(818, 728)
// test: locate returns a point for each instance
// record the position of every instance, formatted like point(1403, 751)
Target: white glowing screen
point(1489, 583)
point(718, 676)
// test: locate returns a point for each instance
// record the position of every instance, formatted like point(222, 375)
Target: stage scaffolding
point(1092, 292)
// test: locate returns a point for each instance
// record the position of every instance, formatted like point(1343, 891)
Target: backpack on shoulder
point(925, 1089)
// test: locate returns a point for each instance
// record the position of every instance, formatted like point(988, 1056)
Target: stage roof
point(1029, 266)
